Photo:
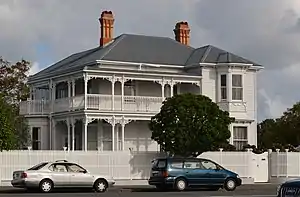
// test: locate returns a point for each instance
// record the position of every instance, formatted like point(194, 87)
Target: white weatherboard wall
point(120, 165)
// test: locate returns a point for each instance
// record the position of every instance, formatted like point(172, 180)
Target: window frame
point(240, 140)
point(222, 88)
point(234, 88)
point(69, 170)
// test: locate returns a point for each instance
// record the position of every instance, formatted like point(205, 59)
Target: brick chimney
point(107, 27)
point(182, 33)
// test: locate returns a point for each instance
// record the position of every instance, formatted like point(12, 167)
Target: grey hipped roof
point(142, 49)
point(212, 54)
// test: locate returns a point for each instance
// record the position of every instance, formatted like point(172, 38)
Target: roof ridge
point(209, 47)
point(116, 41)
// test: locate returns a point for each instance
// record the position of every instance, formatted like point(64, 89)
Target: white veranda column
point(123, 124)
point(69, 132)
point(85, 78)
point(73, 133)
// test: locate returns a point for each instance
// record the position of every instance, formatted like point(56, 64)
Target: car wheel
point(46, 186)
point(230, 185)
point(100, 185)
point(180, 184)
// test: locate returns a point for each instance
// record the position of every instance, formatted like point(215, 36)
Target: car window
point(38, 166)
point(159, 164)
point(176, 164)
point(75, 168)
point(209, 165)
point(58, 168)
point(192, 164)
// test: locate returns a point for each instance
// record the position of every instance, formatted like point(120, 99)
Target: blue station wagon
point(181, 173)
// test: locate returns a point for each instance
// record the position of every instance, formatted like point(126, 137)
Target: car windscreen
point(159, 164)
point(38, 166)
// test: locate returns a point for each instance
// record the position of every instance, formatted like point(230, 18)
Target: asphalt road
point(265, 190)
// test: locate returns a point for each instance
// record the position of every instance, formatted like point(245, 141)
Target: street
point(259, 190)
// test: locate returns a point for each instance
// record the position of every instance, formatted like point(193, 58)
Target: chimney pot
point(182, 32)
point(107, 26)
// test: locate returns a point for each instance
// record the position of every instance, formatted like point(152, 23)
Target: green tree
point(13, 88)
point(189, 125)
point(267, 133)
point(13, 80)
point(289, 126)
point(7, 127)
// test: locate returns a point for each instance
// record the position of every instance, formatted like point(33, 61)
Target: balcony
point(133, 104)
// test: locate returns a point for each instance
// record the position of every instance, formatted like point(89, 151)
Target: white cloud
point(35, 68)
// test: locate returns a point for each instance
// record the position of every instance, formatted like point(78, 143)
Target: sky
point(266, 32)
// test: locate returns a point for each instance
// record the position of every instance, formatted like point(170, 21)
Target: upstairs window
point(237, 88)
point(223, 87)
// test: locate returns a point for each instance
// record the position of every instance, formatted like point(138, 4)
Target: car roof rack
point(62, 160)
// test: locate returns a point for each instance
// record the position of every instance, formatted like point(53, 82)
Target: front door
point(195, 174)
point(217, 176)
point(60, 175)
point(79, 176)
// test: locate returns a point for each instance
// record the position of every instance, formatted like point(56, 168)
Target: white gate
point(260, 167)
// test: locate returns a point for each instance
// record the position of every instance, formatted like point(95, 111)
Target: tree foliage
point(7, 128)
point(13, 78)
point(13, 88)
point(189, 125)
point(281, 133)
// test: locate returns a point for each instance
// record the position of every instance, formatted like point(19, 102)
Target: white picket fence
point(128, 165)
point(124, 165)
point(285, 164)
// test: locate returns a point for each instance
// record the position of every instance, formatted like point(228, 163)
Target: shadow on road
point(15, 191)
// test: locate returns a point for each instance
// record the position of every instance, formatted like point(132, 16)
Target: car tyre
point(46, 186)
point(180, 184)
point(100, 185)
point(230, 184)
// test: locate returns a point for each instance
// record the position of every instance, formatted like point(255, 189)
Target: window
point(209, 165)
point(223, 87)
point(58, 168)
point(176, 164)
point(76, 168)
point(191, 164)
point(240, 137)
point(159, 164)
point(35, 138)
point(38, 166)
point(237, 87)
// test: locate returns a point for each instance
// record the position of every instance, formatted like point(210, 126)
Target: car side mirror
point(85, 171)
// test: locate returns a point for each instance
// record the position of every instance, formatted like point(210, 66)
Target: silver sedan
point(59, 174)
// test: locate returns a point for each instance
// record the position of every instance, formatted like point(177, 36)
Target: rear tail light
point(165, 174)
point(24, 175)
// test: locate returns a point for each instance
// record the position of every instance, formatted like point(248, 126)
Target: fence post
point(221, 156)
point(286, 166)
point(277, 162)
point(270, 162)
point(249, 158)
point(29, 155)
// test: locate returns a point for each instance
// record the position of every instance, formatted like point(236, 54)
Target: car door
point(60, 175)
point(79, 177)
point(216, 174)
point(195, 173)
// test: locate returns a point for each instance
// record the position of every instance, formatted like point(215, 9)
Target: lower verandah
point(137, 136)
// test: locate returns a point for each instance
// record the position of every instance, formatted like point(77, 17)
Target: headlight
point(237, 176)
point(278, 190)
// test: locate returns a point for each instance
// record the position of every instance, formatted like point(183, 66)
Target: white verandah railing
point(94, 102)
